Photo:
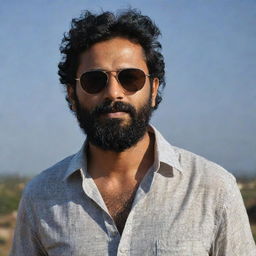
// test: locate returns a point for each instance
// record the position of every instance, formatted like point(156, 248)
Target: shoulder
point(48, 181)
point(197, 171)
point(204, 172)
point(210, 183)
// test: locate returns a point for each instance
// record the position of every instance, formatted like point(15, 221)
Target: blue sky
point(209, 104)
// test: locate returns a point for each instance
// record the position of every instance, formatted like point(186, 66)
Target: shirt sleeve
point(26, 241)
point(233, 236)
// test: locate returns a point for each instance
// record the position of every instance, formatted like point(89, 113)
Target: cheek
point(142, 98)
point(147, 93)
point(85, 99)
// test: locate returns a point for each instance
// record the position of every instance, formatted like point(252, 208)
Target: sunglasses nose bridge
point(113, 86)
point(114, 74)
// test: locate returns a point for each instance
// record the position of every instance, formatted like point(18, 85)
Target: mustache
point(109, 106)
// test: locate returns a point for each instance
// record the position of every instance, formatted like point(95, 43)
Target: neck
point(131, 163)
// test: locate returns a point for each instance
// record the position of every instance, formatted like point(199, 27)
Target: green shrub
point(10, 193)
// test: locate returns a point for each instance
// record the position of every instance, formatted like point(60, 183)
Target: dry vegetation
point(10, 192)
point(11, 188)
point(248, 190)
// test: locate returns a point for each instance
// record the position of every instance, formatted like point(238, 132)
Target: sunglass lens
point(93, 81)
point(132, 79)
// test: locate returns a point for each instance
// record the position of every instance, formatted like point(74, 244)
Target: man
point(127, 191)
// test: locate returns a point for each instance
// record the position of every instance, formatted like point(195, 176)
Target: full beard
point(114, 134)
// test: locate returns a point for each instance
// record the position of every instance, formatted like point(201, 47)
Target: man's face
point(113, 118)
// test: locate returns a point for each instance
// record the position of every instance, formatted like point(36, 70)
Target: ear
point(71, 98)
point(155, 85)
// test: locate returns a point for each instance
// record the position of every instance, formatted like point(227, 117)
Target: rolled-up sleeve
point(26, 241)
point(233, 234)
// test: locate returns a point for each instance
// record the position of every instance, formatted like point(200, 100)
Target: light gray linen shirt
point(184, 206)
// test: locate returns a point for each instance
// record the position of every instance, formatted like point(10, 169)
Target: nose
point(113, 90)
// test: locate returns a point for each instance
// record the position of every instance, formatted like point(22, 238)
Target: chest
point(119, 203)
point(160, 226)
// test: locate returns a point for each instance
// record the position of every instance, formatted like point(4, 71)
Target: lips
point(117, 111)
point(115, 114)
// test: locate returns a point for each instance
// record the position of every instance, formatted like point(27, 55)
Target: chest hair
point(119, 206)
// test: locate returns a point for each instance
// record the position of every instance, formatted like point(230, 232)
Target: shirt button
point(122, 250)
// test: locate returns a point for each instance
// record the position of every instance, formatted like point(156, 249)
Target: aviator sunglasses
point(131, 79)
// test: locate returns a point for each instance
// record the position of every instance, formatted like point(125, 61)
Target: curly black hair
point(91, 28)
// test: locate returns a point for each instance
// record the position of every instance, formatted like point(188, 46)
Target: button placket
point(124, 245)
point(125, 240)
point(110, 226)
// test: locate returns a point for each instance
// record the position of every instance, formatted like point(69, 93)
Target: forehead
point(113, 54)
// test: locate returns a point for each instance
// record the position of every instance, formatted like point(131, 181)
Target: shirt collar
point(164, 153)
point(77, 162)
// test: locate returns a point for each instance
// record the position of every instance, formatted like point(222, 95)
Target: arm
point(26, 241)
point(233, 235)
